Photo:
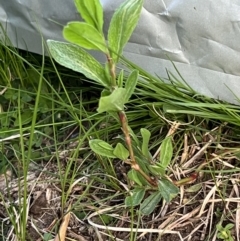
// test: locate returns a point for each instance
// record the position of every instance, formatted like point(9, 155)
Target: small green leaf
point(120, 78)
point(105, 145)
point(150, 203)
point(123, 22)
point(166, 152)
point(107, 74)
point(167, 189)
point(219, 227)
point(102, 148)
point(91, 11)
point(47, 237)
point(157, 170)
point(131, 84)
point(105, 92)
point(26, 117)
point(106, 219)
point(194, 188)
point(134, 137)
point(11, 94)
point(75, 58)
point(4, 163)
point(146, 137)
point(136, 197)
point(121, 152)
point(132, 175)
point(84, 35)
point(112, 102)
point(142, 161)
point(26, 98)
point(229, 226)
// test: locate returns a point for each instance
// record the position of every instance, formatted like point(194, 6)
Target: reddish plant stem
point(124, 123)
point(187, 180)
point(112, 69)
point(134, 164)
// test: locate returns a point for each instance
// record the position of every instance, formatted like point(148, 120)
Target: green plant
point(224, 233)
point(147, 174)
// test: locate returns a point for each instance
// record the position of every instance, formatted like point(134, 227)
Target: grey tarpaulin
point(201, 37)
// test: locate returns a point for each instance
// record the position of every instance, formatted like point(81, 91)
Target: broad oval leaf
point(102, 148)
point(123, 22)
point(75, 58)
point(84, 35)
point(91, 11)
point(130, 84)
point(167, 189)
point(132, 175)
point(26, 117)
point(113, 102)
point(194, 188)
point(136, 197)
point(229, 226)
point(121, 152)
point(157, 170)
point(105, 145)
point(150, 203)
point(166, 152)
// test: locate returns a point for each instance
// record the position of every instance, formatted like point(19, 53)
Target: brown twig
point(124, 124)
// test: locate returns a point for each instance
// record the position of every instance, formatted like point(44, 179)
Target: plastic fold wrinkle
point(200, 37)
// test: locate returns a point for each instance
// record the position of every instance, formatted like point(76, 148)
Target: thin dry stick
point(194, 230)
point(185, 150)
point(207, 198)
point(185, 217)
point(137, 230)
point(234, 200)
point(208, 218)
point(237, 220)
point(63, 227)
point(198, 155)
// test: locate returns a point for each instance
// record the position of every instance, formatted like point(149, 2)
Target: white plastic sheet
point(201, 37)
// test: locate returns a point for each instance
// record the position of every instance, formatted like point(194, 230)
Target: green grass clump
point(48, 116)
